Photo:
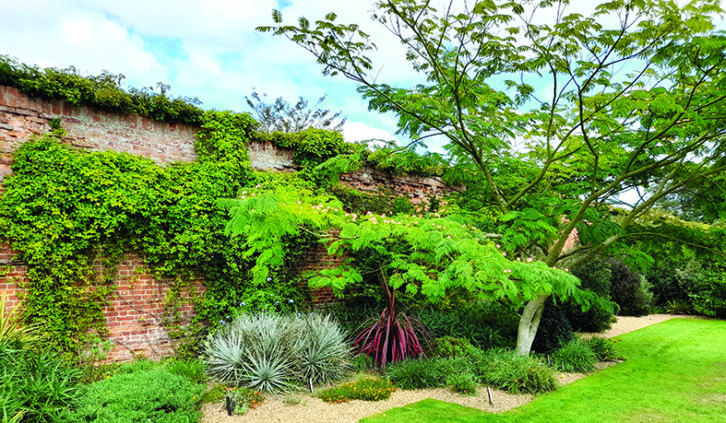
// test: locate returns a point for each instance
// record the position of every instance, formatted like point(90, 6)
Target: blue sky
point(207, 49)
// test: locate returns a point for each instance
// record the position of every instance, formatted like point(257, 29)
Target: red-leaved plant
point(393, 336)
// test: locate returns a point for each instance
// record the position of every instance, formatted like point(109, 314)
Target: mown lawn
point(675, 372)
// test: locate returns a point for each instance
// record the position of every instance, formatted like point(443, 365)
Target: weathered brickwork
point(136, 311)
point(22, 117)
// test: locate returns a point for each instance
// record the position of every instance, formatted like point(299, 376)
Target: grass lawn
point(675, 372)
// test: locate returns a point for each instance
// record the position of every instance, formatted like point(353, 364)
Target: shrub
point(39, 385)
point(448, 346)
point(706, 287)
point(485, 324)
point(154, 396)
point(506, 370)
point(194, 370)
point(666, 283)
point(271, 353)
point(366, 389)
point(554, 329)
point(463, 383)
point(425, 373)
point(594, 276)
point(628, 290)
point(604, 349)
point(361, 363)
point(575, 356)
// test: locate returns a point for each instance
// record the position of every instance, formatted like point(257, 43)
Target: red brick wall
point(11, 272)
point(21, 117)
point(134, 316)
point(317, 258)
point(136, 312)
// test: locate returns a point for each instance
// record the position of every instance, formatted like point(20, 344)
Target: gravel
point(301, 407)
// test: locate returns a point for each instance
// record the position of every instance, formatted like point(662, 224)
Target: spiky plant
point(393, 336)
point(324, 355)
point(270, 353)
point(14, 334)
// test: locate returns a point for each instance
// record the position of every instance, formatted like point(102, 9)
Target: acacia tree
point(285, 117)
point(631, 96)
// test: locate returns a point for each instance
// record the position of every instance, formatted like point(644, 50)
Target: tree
point(631, 96)
point(429, 254)
point(285, 117)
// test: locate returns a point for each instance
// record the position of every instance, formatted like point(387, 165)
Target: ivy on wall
point(102, 91)
point(72, 214)
point(68, 210)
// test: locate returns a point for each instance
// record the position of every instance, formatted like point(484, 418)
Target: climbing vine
point(73, 213)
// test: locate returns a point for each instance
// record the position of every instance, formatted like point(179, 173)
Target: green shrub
point(270, 353)
point(506, 370)
point(706, 287)
point(448, 346)
point(604, 349)
point(463, 383)
point(484, 324)
point(39, 385)
point(666, 282)
point(594, 276)
point(192, 369)
point(424, 373)
point(628, 290)
point(362, 363)
point(147, 396)
point(365, 389)
point(554, 329)
point(575, 356)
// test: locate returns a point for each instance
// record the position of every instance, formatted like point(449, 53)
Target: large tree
point(555, 112)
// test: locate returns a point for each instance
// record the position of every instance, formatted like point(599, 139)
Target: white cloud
point(359, 131)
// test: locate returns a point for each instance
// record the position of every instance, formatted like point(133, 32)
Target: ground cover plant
point(154, 395)
point(365, 389)
point(675, 372)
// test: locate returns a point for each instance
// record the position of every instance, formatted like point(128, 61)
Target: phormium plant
point(393, 336)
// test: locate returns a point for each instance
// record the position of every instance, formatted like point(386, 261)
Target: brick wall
point(134, 315)
point(21, 117)
point(11, 272)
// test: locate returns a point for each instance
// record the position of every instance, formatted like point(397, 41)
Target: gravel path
point(302, 408)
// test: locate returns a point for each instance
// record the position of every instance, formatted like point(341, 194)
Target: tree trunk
point(528, 324)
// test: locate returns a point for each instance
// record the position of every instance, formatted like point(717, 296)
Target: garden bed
point(302, 407)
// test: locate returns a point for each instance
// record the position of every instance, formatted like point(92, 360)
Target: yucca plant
point(323, 353)
point(393, 336)
point(271, 353)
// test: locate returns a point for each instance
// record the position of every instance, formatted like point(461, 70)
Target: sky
point(207, 49)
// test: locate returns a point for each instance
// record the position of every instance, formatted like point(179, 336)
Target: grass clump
point(365, 389)
point(508, 371)
point(463, 383)
point(603, 348)
point(425, 373)
point(575, 356)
